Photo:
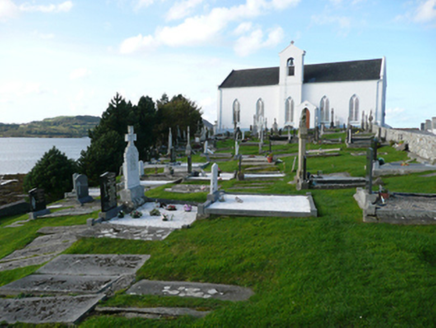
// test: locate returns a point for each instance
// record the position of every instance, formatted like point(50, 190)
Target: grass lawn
point(333, 270)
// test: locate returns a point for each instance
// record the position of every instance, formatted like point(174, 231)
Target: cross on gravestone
point(108, 196)
point(369, 159)
point(131, 159)
point(82, 189)
point(214, 179)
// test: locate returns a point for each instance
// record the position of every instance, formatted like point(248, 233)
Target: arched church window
point(290, 64)
point(324, 108)
point(236, 111)
point(289, 110)
point(353, 111)
point(259, 108)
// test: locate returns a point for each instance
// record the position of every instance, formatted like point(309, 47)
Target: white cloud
point(203, 29)
point(143, 3)
point(78, 73)
point(137, 43)
point(19, 89)
point(341, 21)
point(247, 45)
point(243, 28)
point(62, 7)
point(7, 10)
point(426, 11)
point(44, 36)
point(182, 9)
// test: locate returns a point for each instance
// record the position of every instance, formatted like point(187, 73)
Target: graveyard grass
point(333, 270)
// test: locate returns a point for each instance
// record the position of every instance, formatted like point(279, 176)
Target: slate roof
point(359, 70)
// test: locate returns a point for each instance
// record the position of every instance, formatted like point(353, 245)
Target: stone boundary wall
point(19, 207)
point(421, 144)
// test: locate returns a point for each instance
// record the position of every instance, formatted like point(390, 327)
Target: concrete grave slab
point(261, 205)
point(119, 231)
point(177, 218)
point(38, 284)
point(223, 176)
point(37, 260)
point(94, 265)
point(400, 169)
point(35, 310)
point(191, 289)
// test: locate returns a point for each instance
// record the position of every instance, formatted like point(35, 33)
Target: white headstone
point(130, 165)
point(243, 134)
point(205, 147)
point(214, 179)
point(236, 148)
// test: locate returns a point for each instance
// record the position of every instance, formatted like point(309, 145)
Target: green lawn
point(333, 270)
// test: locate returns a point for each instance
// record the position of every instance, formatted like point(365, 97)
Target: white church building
point(342, 93)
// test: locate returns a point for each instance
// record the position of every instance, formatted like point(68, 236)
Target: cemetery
point(229, 229)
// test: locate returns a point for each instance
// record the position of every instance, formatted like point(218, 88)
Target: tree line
point(151, 121)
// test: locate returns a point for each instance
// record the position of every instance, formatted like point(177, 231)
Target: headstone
point(241, 175)
point(205, 147)
point(188, 151)
point(371, 118)
point(332, 122)
point(37, 203)
point(302, 139)
point(369, 160)
point(133, 192)
point(428, 125)
point(213, 194)
point(254, 130)
point(141, 169)
point(316, 133)
point(275, 127)
point(321, 131)
point(349, 135)
point(172, 155)
point(108, 195)
point(82, 189)
point(243, 134)
point(422, 126)
point(362, 122)
point(374, 148)
point(170, 141)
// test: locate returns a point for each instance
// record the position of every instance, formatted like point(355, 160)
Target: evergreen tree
point(53, 173)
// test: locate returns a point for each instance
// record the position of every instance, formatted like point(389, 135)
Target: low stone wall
point(19, 207)
point(421, 144)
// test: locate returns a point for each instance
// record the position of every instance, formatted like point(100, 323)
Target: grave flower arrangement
point(187, 208)
point(171, 208)
point(120, 214)
point(270, 157)
point(154, 212)
point(166, 217)
point(136, 214)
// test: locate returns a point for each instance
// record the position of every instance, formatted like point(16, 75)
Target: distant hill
point(56, 127)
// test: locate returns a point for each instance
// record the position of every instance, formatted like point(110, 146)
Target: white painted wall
point(247, 98)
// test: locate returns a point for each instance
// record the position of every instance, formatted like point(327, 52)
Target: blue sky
point(70, 57)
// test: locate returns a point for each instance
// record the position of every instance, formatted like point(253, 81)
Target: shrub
point(53, 173)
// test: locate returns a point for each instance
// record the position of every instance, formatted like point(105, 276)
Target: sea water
point(19, 155)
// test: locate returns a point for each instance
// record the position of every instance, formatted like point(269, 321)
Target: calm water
point(19, 155)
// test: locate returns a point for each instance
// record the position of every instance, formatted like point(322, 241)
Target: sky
point(71, 57)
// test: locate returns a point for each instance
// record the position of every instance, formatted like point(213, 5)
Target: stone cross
point(131, 159)
point(302, 139)
point(214, 179)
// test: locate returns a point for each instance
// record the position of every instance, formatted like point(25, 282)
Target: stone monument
point(133, 193)
point(275, 127)
point(170, 142)
point(81, 189)
point(108, 196)
point(188, 151)
point(301, 179)
point(37, 203)
point(213, 194)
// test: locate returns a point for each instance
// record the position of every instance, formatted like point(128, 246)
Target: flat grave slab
point(188, 188)
point(152, 313)
point(176, 219)
point(94, 265)
point(223, 176)
point(263, 205)
point(397, 208)
point(190, 289)
point(119, 231)
point(263, 176)
point(39, 284)
point(35, 310)
point(399, 169)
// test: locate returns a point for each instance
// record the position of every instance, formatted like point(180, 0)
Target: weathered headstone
point(349, 135)
point(369, 160)
point(188, 151)
point(236, 148)
point(374, 143)
point(205, 147)
point(170, 141)
point(243, 134)
point(370, 119)
point(275, 127)
point(38, 205)
point(332, 122)
point(133, 192)
point(302, 139)
point(108, 195)
point(254, 130)
point(172, 155)
point(213, 193)
point(82, 189)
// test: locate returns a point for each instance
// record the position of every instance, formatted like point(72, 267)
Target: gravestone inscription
point(108, 192)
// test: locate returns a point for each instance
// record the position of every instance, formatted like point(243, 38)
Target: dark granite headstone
point(108, 194)
point(189, 164)
point(37, 200)
point(82, 188)
point(173, 155)
point(38, 205)
point(369, 159)
point(374, 143)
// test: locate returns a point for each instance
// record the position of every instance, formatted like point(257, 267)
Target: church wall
point(339, 94)
point(247, 98)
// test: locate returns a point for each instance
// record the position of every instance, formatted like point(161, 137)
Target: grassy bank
point(333, 270)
